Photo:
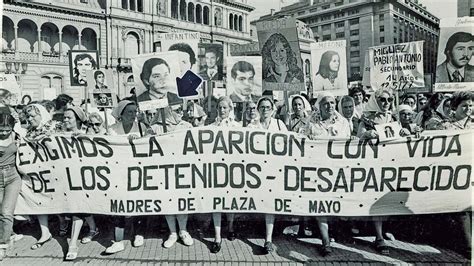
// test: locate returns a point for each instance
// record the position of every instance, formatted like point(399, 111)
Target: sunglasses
point(95, 124)
point(386, 100)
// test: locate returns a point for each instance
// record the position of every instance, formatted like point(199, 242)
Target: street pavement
point(245, 250)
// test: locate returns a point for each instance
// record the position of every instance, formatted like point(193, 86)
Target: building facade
point(366, 23)
point(465, 8)
point(37, 35)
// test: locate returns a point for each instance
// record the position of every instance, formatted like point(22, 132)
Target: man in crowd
point(458, 51)
point(155, 74)
point(211, 71)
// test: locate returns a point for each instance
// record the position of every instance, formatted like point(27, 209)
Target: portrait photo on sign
point(328, 65)
point(80, 61)
point(100, 81)
point(281, 57)
point(211, 61)
point(455, 63)
point(186, 44)
point(103, 99)
point(155, 77)
point(244, 78)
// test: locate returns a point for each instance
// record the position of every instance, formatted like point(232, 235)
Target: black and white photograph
point(79, 63)
point(240, 132)
point(211, 59)
point(455, 64)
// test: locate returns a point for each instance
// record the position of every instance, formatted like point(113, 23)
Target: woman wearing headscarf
point(40, 126)
point(346, 107)
point(195, 114)
point(429, 109)
point(73, 120)
point(377, 111)
point(125, 114)
point(225, 118)
point(173, 122)
point(266, 107)
point(95, 124)
point(441, 116)
point(10, 180)
point(327, 123)
point(300, 115)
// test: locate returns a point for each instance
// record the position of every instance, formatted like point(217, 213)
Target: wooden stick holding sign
point(287, 108)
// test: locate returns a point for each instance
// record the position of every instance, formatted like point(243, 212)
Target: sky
point(439, 8)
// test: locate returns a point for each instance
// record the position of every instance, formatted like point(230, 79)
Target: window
point(354, 43)
point(324, 18)
point(340, 25)
point(355, 54)
point(354, 21)
point(354, 32)
point(301, 12)
point(355, 70)
point(327, 37)
point(352, 12)
point(326, 27)
point(394, 29)
point(381, 17)
point(381, 28)
point(382, 39)
point(471, 12)
point(85, 1)
point(339, 15)
point(325, 7)
point(395, 40)
point(340, 35)
point(313, 10)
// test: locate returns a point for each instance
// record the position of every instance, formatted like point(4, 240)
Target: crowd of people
point(324, 116)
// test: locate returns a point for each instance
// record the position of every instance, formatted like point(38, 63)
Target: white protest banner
point(396, 66)
point(186, 43)
point(213, 169)
point(366, 73)
point(455, 64)
point(282, 67)
point(329, 67)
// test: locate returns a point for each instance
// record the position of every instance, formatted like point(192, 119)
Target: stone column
point(15, 27)
point(79, 35)
point(60, 46)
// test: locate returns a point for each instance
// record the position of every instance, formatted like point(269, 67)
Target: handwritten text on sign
point(397, 66)
point(220, 170)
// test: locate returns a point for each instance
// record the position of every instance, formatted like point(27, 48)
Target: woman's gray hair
point(227, 100)
point(96, 116)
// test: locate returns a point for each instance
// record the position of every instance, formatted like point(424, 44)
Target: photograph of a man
point(458, 51)
point(243, 82)
point(79, 63)
point(155, 75)
point(187, 56)
point(99, 78)
point(212, 69)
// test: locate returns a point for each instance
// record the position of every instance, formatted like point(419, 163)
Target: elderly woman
point(74, 119)
point(441, 117)
point(266, 107)
point(406, 117)
point(95, 124)
point(195, 114)
point(39, 126)
point(346, 107)
point(225, 118)
point(328, 123)
point(429, 110)
point(377, 111)
point(280, 63)
point(300, 115)
point(126, 113)
point(10, 179)
point(174, 122)
point(251, 116)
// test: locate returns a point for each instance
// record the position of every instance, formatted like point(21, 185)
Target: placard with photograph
point(80, 61)
point(103, 99)
point(282, 66)
point(100, 80)
point(155, 78)
point(211, 61)
point(455, 63)
point(244, 78)
point(329, 69)
point(186, 44)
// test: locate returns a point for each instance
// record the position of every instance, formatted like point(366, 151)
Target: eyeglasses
point(96, 124)
point(386, 100)
point(251, 108)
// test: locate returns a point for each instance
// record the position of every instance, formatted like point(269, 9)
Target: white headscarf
point(306, 104)
point(316, 115)
point(440, 108)
point(373, 106)
point(45, 115)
